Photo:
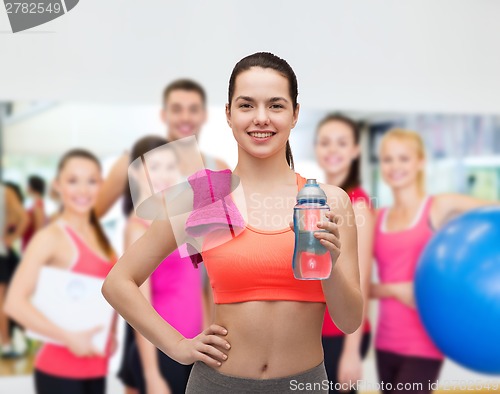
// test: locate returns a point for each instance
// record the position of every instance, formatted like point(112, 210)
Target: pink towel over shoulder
point(213, 208)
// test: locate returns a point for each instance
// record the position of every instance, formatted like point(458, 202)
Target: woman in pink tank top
point(76, 243)
point(405, 353)
point(174, 288)
point(338, 154)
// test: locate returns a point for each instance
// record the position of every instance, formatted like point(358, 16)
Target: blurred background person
point(36, 212)
point(174, 289)
point(75, 242)
point(338, 154)
point(55, 199)
point(183, 112)
point(404, 351)
point(15, 221)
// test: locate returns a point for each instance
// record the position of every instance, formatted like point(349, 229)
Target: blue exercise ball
point(457, 289)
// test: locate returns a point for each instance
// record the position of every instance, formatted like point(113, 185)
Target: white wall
point(105, 129)
point(413, 55)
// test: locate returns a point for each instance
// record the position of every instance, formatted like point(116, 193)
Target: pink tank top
point(399, 327)
point(176, 292)
point(58, 360)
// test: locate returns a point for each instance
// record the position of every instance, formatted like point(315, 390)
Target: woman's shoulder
point(336, 196)
point(135, 226)
point(48, 237)
point(334, 191)
point(442, 200)
point(135, 221)
point(52, 230)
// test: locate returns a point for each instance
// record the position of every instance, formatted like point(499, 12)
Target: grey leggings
point(206, 380)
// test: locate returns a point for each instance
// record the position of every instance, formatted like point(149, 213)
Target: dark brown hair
point(184, 84)
point(140, 148)
point(16, 189)
point(36, 184)
point(101, 235)
point(353, 179)
point(267, 60)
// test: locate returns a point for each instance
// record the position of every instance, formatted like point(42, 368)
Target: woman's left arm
point(342, 290)
point(447, 206)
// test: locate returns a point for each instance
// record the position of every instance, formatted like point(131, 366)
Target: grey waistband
point(204, 379)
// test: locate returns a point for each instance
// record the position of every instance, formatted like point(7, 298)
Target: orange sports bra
point(257, 265)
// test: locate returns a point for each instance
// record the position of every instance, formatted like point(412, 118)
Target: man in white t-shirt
point(183, 112)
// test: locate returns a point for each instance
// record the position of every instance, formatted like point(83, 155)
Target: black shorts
point(332, 347)
point(125, 373)
point(8, 265)
point(176, 375)
point(50, 384)
point(409, 373)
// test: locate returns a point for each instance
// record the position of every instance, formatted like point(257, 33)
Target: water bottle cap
point(311, 191)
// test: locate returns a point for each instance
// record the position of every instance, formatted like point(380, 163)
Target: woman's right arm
point(121, 290)
point(401, 291)
point(147, 351)
point(113, 186)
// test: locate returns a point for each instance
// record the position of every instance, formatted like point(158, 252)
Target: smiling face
point(162, 171)
point(184, 113)
point(401, 164)
point(78, 184)
point(261, 112)
point(336, 147)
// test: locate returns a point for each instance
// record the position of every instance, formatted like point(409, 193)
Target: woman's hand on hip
point(204, 347)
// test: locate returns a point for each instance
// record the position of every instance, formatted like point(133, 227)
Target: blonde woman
point(405, 353)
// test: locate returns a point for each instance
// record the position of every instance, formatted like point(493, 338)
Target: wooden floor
point(22, 365)
point(19, 366)
point(16, 374)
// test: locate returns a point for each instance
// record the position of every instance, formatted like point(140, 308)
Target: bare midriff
point(271, 339)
